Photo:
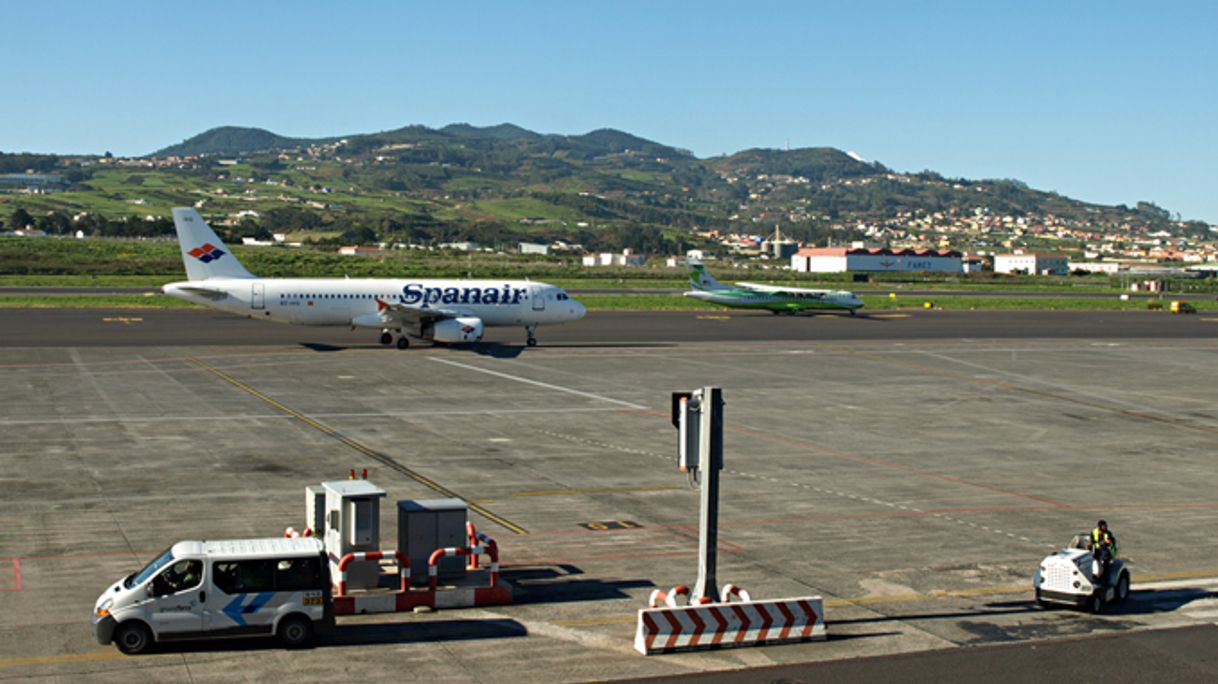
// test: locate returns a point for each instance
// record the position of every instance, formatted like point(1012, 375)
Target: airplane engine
point(456, 330)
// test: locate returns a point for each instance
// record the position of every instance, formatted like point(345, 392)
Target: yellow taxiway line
point(367, 451)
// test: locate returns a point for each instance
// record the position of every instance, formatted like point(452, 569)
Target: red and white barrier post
point(491, 549)
point(345, 561)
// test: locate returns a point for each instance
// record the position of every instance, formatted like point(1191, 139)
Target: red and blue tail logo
point(207, 253)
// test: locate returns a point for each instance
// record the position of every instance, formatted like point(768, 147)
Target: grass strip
point(651, 302)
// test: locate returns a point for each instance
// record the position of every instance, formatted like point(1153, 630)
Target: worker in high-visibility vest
point(1103, 548)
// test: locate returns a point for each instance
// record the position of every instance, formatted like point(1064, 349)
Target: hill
point(232, 140)
point(605, 189)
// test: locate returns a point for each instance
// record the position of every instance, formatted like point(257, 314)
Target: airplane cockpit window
point(562, 297)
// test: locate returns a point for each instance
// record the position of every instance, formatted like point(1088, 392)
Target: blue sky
point(1109, 102)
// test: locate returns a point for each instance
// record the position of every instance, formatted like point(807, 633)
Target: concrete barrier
point(723, 625)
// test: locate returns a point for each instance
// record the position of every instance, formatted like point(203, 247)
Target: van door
point(176, 600)
point(258, 296)
point(241, 592)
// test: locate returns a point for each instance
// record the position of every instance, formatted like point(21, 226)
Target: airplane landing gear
point(403, 342)
point(386, 338)
point(531, 341)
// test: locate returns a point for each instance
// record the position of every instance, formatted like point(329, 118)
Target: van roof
point(250, 548)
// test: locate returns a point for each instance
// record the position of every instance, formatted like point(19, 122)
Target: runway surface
point(176, 327)
point(910, 467)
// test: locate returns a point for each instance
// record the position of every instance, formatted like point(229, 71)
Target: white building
point(534, 248)
point(842, 259)
point(1109, 267)
point(1035, 264)
point(626, 258)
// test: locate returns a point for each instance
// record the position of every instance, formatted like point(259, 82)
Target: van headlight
point(104, 609)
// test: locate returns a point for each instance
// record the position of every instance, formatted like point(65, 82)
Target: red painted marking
point(676, 630)
point(810, 616)
point(744, 623)
point(343, 605)
point(721, 626)
point(788, 622)
point(766, 621)
point(407, 600)
point(16, 584)
point(699, 626)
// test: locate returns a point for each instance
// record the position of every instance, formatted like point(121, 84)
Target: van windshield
point(150, 569)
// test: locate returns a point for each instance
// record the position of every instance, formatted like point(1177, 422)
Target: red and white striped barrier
point(498, 593)
point(725, 625)
point(473, 536)
point(403, 567)
point(491, 549)
point(669, 598)
point(729, 590)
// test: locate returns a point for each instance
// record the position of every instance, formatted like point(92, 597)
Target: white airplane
point(447, 311)
point(772, 298)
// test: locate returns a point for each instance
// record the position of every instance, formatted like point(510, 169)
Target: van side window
point(182, 575)
point(298, 574)
point(244, 577)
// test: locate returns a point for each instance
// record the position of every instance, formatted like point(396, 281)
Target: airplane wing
point(774, 289)
point(203, 291)
point(396, 312)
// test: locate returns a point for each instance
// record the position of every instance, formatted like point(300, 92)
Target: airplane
point(777, 300)
point(447, 311)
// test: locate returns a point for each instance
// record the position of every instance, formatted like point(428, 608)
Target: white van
point(220, 589)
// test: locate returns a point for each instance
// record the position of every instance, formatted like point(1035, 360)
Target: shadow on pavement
point(346, 634)
point(556, 584)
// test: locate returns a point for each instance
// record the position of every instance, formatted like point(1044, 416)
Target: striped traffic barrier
point(724, 625)
point(345, 561)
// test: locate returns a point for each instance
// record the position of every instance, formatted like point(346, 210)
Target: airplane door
point(258, 296)
point(538, 296)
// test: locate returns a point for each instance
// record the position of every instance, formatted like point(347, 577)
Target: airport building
point(1035, 264)
point(842, 259)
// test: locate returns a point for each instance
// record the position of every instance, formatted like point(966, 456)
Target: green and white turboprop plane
point(777, 300)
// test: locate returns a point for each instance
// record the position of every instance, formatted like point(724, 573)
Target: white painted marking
point(1203, 615)
point(284, 416)
point(346, 377)
point(1178, 584)
point(557, 388)
point(499, 439)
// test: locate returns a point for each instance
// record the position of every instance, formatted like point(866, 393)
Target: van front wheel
point(132, 638)
point(295, 631)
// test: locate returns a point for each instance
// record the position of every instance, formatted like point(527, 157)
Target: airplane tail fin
point(699, 278)
point(203, 253)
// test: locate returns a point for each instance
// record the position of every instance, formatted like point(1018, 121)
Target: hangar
point(841, 259)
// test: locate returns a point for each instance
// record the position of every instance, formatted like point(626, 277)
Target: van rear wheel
point(132, 638)
point(295, 631)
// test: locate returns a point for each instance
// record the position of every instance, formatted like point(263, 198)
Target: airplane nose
point(579, 310)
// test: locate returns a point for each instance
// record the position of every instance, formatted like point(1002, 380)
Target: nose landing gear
point(531, 341)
